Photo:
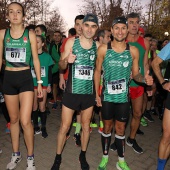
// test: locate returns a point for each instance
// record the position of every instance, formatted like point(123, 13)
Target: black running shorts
point(167, 103)
point(78, 101)
point(116, 111)
point(16, 82)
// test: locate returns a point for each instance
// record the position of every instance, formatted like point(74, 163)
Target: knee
point(14, 120)
point(107, 128)
point(85, 126)
point(166, 136)
point(64, 128)
point(120, 129)
point(137, 115)
point(25, 123)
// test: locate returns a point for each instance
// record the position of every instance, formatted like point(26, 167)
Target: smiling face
point(15, 13)
point(119, 32)
point(89, 29)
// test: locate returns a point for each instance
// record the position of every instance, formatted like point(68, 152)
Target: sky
point(69, 9)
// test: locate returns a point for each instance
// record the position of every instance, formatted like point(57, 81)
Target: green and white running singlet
point(116, 75)
point(80, 78)
point(17, 51)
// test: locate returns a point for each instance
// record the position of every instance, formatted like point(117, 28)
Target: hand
point(48, 89)
point(166, 86)
point(71, 57)
point(62, 83)
point(98, 101)
point(148, 79)
point(39, 91)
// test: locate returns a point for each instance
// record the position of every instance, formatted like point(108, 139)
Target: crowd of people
point(112, 73)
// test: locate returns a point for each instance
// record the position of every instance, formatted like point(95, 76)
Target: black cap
point(121, 20)
point(91, 18)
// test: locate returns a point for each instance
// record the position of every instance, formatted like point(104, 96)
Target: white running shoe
point(15, 159)
point(30, 164)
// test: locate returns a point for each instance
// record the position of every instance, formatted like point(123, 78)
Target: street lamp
point(166, 33)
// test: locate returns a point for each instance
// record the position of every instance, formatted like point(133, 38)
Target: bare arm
point(146, 60)
point(36, 61)
point(156, 68)
point(97, 74)
point(67, 56)
point(2, 33)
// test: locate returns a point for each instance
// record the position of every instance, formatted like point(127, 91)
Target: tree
point(106, 10)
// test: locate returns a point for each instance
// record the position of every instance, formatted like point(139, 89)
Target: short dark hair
point(42, 27)
point(58, 31)
point(72, 31)
point(31, 26)
point(23, 11)
point(133, 15)
point(148, 35)
point(80, 17)
point(101, 33)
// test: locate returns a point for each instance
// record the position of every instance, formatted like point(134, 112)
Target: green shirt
point(116, 75)
point(17, 51)
point(45, 62)
point(80, 78)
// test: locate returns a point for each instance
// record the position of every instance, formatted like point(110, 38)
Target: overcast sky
point(69, 9)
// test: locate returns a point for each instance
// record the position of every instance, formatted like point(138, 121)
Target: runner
point(80, 56)
point(117, 59)
point(18, 44)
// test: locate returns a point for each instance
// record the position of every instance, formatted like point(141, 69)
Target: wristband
point(39, 81)
point(164, 83)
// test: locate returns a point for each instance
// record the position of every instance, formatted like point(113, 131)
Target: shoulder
point(134, 51)
point(32, 34)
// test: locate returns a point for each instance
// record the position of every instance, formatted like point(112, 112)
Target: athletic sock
point(78, 128)
point(101, 123)
point(161, 164)
point(120, 145)
point(105, 139)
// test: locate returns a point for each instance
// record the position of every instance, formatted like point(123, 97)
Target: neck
point(17, 28)
point(132, 37)
point(84, 39)
point(40, 51)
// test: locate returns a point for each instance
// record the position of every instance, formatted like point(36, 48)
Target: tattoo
point(139, 78)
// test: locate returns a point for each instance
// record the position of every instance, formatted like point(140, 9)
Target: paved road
point(45, 148)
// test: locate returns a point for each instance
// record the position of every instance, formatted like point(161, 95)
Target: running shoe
point(54, 107)
point(94, 125)
point(113, 147)
point(51, 101)
point(100, 130)
point(103, 163)
point(143, 122)
point(139, 132)
point(83, 163)
point(37, 131)
point(77, 139)
point(7, 130)
point(148, 116)
point(44, 133)
point(132, 143)
point(15, 159)
point(56, 165)
point(122, 166)
point(30, 164)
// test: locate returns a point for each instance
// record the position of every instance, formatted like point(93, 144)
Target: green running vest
point(17, 51)
point(80, 78)
point(116, 75)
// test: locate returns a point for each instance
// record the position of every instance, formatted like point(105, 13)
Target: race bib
point(43, 72)
point(83, 72)
point(117, 86)
point(16, 55)
point(33, 72)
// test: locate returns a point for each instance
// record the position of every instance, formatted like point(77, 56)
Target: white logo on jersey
point(125, 64)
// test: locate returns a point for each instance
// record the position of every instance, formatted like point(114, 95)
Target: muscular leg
point(85, 121)
point(164, 146)
point(26, 102)
point(12, 103)
point(137, 112)
point(66, 119)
